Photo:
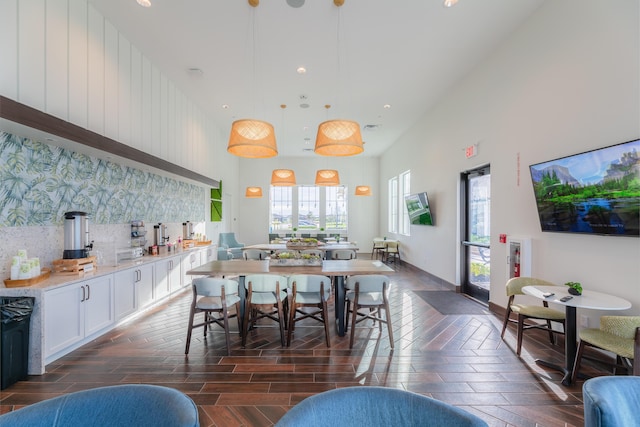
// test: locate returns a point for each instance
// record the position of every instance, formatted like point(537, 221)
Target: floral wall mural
point(40, 182)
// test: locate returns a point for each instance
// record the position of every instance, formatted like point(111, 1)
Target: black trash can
point(15, 318)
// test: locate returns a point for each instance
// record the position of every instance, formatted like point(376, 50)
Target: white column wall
point(565, 82)
point(62, 57)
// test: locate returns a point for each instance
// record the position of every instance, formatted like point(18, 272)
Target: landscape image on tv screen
point(596, 192)
point(418, 209)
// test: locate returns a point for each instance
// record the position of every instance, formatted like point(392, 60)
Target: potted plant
point(575, 288)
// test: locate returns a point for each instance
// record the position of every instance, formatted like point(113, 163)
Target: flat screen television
point(418, 209)
point(595, 192)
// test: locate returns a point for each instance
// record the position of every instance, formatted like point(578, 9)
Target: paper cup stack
point(23, 267)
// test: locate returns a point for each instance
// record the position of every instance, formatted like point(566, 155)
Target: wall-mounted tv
point(595, 192)
point(418, 209)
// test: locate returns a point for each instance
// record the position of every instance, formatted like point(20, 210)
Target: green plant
point(295, 228)
point(576, 286)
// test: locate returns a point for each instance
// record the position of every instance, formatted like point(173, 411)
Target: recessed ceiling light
point(225, 106)
point(387, 106)
point(449, 3)
point(144, 3)
point(301, 70)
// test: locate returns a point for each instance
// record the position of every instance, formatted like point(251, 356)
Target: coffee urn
point(159, 234)
point(187, 230)
point(76, 235)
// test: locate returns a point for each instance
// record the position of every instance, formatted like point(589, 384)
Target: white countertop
point(60, 279)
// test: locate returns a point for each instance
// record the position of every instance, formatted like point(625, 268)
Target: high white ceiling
point(359, 57)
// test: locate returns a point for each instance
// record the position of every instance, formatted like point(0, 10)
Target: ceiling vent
point(370, 127)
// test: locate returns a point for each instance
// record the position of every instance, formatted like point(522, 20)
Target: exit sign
point(471, 151)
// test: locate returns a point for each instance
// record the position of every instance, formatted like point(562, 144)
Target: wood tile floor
point(459, 359)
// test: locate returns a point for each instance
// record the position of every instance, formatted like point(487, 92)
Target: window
point(336, 208)
point(281, 209)
point(308, 208)
point(393, 205)
point(399, 187)
point(405, 190)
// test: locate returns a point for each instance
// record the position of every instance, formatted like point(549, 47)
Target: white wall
point(253, 214)
point(64, 58)
point(567, 81)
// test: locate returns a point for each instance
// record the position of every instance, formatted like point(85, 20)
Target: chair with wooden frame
point(369, 292)
point(213, 295)
point(254, 254)
point(343, 254)
point(309, 291)
point(619, 335)
point(378, 246)
point(391, 249)
point(535, 312)
point(266, 298)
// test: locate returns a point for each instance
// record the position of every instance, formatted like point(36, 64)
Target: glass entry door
point(476, 229)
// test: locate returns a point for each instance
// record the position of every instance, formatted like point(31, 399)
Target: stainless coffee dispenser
point(187, 230)
point(76, 235)
point(160, 234)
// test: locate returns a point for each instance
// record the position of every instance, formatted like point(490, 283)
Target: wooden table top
point(328, 268)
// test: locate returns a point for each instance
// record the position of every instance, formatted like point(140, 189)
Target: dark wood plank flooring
point(459, 359)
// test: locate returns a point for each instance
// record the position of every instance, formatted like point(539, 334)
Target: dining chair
point(266, 299)
point(373, 406)
point(391, 249)
point(619, 335)
point(309, 291)
point(213, 295)
point(140, 405)
point(534, 312)
point(254, 254)
point(378, 245)
point(343, 254)
point(371, 293)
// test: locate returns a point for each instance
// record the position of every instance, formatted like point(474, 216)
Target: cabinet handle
point(88, 292)
point(83, 294)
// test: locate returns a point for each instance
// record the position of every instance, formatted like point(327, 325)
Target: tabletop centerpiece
point(294, 258)
point(299, 243)
point(575, 288)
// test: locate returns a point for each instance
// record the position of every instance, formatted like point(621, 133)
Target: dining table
point(338, 269)
point(591, 300)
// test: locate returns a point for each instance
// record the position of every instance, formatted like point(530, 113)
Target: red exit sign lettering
point(471, 151)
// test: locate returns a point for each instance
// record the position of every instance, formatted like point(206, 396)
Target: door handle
point(83, 294)
point(88, 292)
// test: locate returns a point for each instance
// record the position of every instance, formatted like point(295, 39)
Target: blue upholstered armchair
point(376, 407)
point(120, 405)
point(612, 401)
point(228, 242)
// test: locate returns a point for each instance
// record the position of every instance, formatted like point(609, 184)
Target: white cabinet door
point(190, 261)
point(175, 274)
point(76, 311)
point(63, 318)
point(167, 277)
point(125, 292)
point(144, 285)
point(98, 304)
point(162, 286)
point(211, 254)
